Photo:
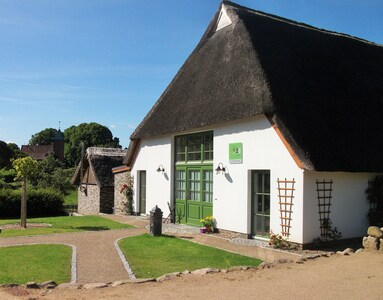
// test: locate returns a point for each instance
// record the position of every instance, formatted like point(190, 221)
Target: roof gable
point(323, 90)
point(100, 162)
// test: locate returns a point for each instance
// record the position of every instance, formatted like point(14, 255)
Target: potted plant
point(207, 224)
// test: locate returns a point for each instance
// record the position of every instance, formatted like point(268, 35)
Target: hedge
point(40, 203)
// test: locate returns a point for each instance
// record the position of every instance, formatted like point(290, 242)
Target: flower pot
point(209, 229)
point(202, 230)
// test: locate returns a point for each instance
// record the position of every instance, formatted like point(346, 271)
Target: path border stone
point(123, 259)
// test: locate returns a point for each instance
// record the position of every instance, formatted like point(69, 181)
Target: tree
point(25, 168)
point(92, 134)
point(44, 137)
point(52, 174)
point(5, 155)
point(16, 151)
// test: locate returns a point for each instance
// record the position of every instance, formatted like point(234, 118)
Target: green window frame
point(196, 147)
point(194, 183)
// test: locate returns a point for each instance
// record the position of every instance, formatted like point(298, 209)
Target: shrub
point(41, 203)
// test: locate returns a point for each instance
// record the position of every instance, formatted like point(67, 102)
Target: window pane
point(180, 148)
point(194, 147)
point(194, 185)
point(208, 146)
point(207, 186)
point(180, 184)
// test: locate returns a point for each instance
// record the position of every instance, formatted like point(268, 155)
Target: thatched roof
point(101, 161)
point(323, 90)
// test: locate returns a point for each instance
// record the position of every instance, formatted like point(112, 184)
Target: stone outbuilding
point(95, 180)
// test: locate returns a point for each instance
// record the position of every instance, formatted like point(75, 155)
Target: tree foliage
point(25, 167)
point(5, 155)
point(92, 135)
point(44, 137)
point(53, 174)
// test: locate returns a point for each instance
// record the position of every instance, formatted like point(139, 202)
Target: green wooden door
point(193, 193)
point(260, 203)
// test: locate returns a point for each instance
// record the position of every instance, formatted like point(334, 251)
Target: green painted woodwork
point(260, 203)
point(193, 180)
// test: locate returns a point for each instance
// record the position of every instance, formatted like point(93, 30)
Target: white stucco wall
point(349, 205)
point(262, 150)
point(152, 153)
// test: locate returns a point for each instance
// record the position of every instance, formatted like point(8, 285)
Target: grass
point(39, 263)
point(71, 198)
point(62, 225)
point(151, 256)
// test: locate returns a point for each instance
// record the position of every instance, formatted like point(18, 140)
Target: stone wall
point(107, 200)
point(119, 180)
point(89, 200)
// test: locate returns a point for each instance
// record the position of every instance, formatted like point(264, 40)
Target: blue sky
point(108, 61)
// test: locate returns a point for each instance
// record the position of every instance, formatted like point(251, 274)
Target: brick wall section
point(89, 202)
point(107, 200)
point(119, 180)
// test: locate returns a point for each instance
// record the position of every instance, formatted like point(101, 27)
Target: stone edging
point(123, 259)
point(73, 260)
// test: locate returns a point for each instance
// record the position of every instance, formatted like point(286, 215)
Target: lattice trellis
point(286, 195)
point(324, 191)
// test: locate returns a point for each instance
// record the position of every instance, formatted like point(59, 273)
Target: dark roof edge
point(296, 23)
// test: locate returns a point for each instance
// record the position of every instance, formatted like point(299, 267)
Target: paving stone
point(120, 282)
point(69, 286)
point(168, 276)
point(205, 271)
point(32, 285)
point(97, 285)
point(48, 284)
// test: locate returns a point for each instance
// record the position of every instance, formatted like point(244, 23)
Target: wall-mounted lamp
point(220, 169)
point(161, 169)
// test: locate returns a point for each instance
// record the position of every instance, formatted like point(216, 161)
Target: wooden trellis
point(286, 195)
point(324, 190)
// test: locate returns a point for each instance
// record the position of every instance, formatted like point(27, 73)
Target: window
point(207, 186)
point(197, 147)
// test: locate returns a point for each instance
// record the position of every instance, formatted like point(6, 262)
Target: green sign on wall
point(235, 153)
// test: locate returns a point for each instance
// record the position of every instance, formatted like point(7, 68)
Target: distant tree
point(92, 135)
point(26, 168)
point(53, 174)
point(16, 151)
point(6, 154)
point(44, 137)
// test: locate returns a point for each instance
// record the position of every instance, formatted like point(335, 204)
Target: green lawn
point(71, 198)
point(39, 263)
point(151, 256)
point(62, 225)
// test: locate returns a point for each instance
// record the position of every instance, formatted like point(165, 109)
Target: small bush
point(40, 203)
